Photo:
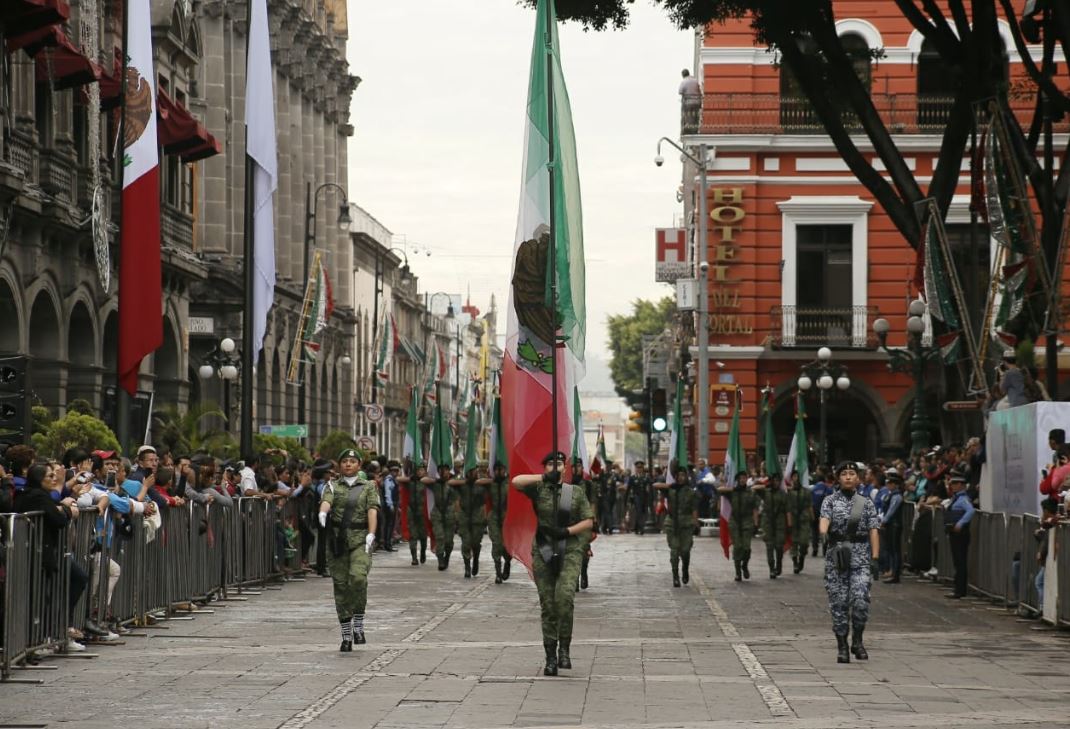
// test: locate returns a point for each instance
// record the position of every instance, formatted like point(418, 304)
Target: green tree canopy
point(192, 431)
point(626, 341)
point(74, 430)
point(334, 443)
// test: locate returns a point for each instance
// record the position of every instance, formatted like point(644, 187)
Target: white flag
point(261, 147)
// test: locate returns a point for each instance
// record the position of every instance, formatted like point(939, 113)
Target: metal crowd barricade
point(906, 536)
point(1062, 562)
point(1028, 545)
point(35, 613)
point(1014, 552)
point(989, 556)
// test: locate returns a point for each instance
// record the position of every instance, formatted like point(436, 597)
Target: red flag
point(725, 534)
point(140, 288)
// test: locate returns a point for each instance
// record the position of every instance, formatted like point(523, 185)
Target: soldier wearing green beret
point(499, 501)
point(443, 514)
point(348, 513)
point(564, 521)
point(776, 521)
point(742, 506)
point(472, 516)
point(681, 503)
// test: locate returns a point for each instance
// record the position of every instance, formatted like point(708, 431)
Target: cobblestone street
point(447, 652)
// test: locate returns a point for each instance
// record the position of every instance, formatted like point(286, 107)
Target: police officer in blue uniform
point(850, 524)
point(957, 520)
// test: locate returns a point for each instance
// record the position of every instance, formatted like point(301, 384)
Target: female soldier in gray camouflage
point(557, 553)
point(849, 522)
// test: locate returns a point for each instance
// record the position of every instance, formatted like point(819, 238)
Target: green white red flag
point(544, 333)
point(412, 448)
point(321, 306)
point(735, 460)
point(388, 342)
point(798, 453)
point(140, 273)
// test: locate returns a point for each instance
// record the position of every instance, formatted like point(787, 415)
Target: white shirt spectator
point(690, 87)
point(247, 482)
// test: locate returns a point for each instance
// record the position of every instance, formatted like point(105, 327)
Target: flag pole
point(550, 166)
point(246, 447)
point(122, 397)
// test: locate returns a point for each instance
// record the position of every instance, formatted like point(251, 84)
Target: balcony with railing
point(773, 113)
point(838, 327)
point(176, 227)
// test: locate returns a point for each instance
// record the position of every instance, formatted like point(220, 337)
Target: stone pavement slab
point(449, 652)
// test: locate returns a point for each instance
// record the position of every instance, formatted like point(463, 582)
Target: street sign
point(686, 294)
point(373, 412)
point(201, 325)
point(285, 431)
point(670, 255)
point(366, 443)
point(959, 405)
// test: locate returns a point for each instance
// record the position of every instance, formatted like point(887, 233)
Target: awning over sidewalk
point(60, 65)
point(180, 133)
point(24, 16)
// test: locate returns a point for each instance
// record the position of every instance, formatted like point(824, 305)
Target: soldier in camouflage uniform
point(848, 590)
point(607, 497)
point(742, 523)
point(801, 513)
point(416, 512)
point(348, 512)
point(556, 554)
point(472, 519)
point(443, 515)
point(499, 503)
point(590, 491)
point(639, 496)
point(681, 514)
point(775, 522)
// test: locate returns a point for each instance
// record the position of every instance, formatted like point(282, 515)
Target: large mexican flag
point(543, 337)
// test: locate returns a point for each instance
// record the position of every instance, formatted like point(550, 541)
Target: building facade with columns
point(801, 255)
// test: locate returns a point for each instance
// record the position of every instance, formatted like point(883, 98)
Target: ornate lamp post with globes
point(826, 374)
point(911, 361)
point(223, 361)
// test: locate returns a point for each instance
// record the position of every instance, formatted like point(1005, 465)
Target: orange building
point(800, 254)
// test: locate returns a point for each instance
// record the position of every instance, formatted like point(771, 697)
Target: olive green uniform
point(741, 525)
point(499, 504)
point(417, 516)
point(774, 526)
point(801, 508)
point(556, 581)
point(443, 518)
point(472, 521)
point(347, 560)
point(679, 527)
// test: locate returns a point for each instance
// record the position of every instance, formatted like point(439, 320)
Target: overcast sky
point(437, 152)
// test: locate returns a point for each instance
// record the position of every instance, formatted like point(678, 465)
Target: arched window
point(796, 112)
point(938, 83)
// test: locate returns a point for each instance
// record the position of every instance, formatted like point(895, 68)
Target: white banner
point(1016, 451)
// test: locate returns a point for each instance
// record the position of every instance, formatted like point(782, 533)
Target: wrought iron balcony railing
point(844, 327)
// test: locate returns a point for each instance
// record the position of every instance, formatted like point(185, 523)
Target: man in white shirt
point(247, 475)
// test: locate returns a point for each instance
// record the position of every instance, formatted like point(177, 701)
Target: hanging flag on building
point(388, 343)
point(735, 460)
point(261, 147)
point(140, 274)
point(431, 373)
point(320, 299)
point(798, 453)
point(546, 335)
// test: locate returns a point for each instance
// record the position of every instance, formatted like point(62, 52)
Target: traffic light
point(14, 413)
point(637, 419)
point(659, 410)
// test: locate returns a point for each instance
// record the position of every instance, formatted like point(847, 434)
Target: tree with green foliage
point(191, 431)
point(626, 341)
point(263, 443)
point(966, 35)
point(334, 443)
point(42, 418)
point(81, 405)
point(74, 430)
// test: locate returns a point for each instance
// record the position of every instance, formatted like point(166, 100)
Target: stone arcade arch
point(49, 375)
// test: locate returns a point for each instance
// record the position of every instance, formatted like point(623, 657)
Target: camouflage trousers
point(349, 572)
point(471, 535)
point(741, 547)
point(848, 594)
point(680, 542)
point(557, 593)
point(443, 532)
point(497, 542)
point(417, 526)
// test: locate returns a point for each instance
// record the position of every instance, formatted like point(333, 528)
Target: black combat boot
point(412, 550)
point(423, 550)
point(475, 560)
point(739, 571)
point(441, 562)
point(771, 559)
point(687, 564)
point(505, 568)
point(857, 648)
point(563, 659)
point(794, 562)
point(497, 570)
point(467, 567)
point(446, 560)
point(675, 576)
point(779, 561)
point(842, 655)
point(746, 568)
point(802, 561)
point(550, 669)
point(583, 576)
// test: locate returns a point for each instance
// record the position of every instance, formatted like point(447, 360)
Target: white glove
point(323, 519)
point(368, 542)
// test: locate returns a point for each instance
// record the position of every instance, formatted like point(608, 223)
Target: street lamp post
point(703, 334)
point(375, 304)
point(451, 313)
point(911, 361)
point(223, 361)
point(311, 200)
point(826, 374)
